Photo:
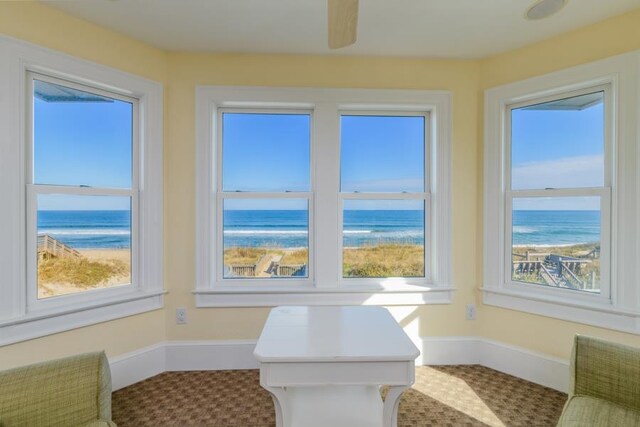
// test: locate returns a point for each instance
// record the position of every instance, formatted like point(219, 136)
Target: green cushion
point(606, 370)
point(585, 411)
point(69, 392)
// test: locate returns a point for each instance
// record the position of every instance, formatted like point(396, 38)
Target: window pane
point(265, 152)
point(81, 138)
point(266, 238)
point(382, 154)
point(556, 242)
point(383, 238)
point(558, 144)
point(84, 243)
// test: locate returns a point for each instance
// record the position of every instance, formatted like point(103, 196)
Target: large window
point(264, 195)
point(384, 195)
point(81, 224)
point(81, 194)
point(560, 195)
point(305, 199)
point(558, 201)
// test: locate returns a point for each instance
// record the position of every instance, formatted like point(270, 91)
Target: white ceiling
point(427, 28)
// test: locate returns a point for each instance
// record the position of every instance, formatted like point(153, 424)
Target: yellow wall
point(188, 70)
point(47, 27)
point(607, 38)
point(181, 72)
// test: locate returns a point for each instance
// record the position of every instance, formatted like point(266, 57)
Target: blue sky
point(82, 143)
point(557, 149)
point(89, 143)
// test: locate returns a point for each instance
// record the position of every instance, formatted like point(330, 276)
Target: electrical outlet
point(471, 312)
point(181, 316)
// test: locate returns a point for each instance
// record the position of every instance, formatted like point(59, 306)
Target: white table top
point(335, 334)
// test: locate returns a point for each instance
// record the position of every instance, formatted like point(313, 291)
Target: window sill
point(345, 295)
point(600, 315)
point(37, 325)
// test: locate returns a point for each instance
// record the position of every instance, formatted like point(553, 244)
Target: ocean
point(555, 228)
point(88, 229)
point(288, 228)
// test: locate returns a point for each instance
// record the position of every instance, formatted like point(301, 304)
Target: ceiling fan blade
point(343, 23)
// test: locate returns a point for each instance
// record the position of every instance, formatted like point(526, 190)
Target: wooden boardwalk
point(48, 247)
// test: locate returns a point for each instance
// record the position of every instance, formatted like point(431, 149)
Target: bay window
point(322, 196)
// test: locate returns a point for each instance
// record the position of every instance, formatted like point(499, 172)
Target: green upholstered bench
point(70, 392)
point(605, 385)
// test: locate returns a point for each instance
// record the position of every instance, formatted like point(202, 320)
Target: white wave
point(552, 245)
point(271, 232)
point(357, 231)
point(523, 230)
point(84, 232)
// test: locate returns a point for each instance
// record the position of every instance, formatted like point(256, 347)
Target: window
point(82, 182)
point(560, 178)
point(383, 194)
point(265, 195)
point(558, 196)
point(82, 190)
point(305, 199)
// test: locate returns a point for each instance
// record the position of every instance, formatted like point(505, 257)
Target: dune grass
point(388, 260)
point(79, 271)
point(244, 256)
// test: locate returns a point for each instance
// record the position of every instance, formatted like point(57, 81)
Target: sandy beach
point(96, 269)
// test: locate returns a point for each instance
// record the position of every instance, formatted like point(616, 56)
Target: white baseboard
point(210, 355)
point(138, 365)
point(238, 354)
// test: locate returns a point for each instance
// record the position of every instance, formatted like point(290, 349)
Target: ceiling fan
point(343, 23)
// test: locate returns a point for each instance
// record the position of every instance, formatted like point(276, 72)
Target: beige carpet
point(442, 396)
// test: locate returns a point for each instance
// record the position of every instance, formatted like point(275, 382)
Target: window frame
point(425, 196)
point(22, 315)
point(217, 267)
point(324, 287)
point(604, 193)
point(33, 190)
point(620, 306)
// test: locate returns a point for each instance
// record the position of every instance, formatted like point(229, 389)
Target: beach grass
point(99, 268)
point(245, 256)
point(80, 271)
point(387, 260)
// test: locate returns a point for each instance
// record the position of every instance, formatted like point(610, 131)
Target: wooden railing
point(289, 270)
point(49, 247)
point(243, 270)
point(526, 267)
point(572, 280)
point(547, 276)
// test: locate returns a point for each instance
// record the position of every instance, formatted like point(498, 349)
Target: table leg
point(390, 408)
point(278, 394)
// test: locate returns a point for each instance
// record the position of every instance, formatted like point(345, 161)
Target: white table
point(324, 365)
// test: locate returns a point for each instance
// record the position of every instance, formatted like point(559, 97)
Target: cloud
point(570, 172)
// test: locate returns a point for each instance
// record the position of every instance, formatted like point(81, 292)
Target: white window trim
point(424, 196)
point(325, 286)
point(20, 320)
point(217, 267)
point(621, 309)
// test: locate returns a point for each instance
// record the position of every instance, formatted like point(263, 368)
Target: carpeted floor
point(466, 395)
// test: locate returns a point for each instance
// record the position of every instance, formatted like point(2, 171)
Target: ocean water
point(288, 228)
point(88, 229)
point(555, 228)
